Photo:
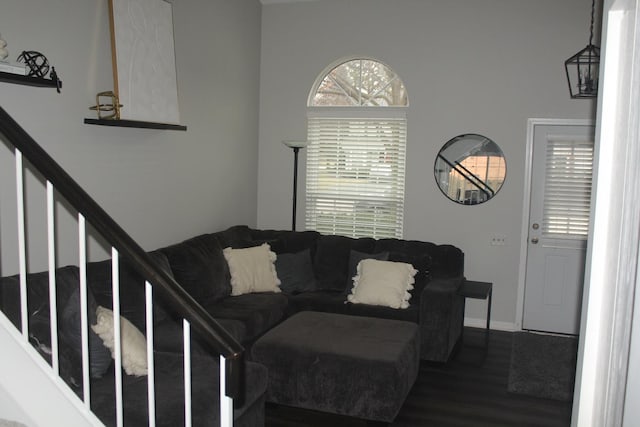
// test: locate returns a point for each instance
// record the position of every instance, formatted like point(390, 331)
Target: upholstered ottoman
point(350, 365)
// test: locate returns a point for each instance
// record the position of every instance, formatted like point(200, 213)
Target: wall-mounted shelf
point(28, 80)
point(134, 124)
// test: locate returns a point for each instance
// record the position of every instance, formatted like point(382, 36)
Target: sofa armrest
point(441, 318)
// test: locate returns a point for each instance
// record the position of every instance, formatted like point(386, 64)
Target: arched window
point(357, 133)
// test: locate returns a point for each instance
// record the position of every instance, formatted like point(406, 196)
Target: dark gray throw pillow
point(354, 259)
point(71, 334)
point(295, 272)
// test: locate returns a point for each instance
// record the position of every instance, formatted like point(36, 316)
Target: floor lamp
point(296, 146)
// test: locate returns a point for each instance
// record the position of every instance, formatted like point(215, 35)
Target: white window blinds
point(355, 175)
point(569, 169)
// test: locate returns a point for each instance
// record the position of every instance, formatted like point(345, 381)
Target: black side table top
point(476, 290)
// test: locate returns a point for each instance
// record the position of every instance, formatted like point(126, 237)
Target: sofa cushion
point(295, 272)
point(235, 328)
point(326, 301)
point(287, 241)
point(411, 314)
point(169, 337)
point(258, 312)
point(410, 247)
point(132, 289)
point(238, 236)
point(446, 260)
point(69, 320)
point(252, 270)
point(354, 259)
point(169, 386)
point(331, 261)
point(383, 283)
point(199, 266)
point(422, 263)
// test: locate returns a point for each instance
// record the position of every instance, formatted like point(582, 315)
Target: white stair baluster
point(53, 301)
point(226, 403)
point(22, 246)
point(151, 394)
point(187, 372)
point(117, 335)
point(84, 329)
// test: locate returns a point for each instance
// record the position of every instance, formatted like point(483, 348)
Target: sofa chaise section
point(168, 348)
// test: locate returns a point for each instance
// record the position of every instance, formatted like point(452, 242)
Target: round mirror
point(470, 169)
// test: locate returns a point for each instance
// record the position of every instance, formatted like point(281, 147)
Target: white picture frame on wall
point(143, 55)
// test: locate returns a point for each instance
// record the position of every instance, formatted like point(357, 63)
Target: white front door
point(558, 227)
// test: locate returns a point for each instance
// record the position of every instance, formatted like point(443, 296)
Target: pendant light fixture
point(582, 68)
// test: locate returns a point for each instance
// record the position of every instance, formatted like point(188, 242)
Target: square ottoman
point(349, 365)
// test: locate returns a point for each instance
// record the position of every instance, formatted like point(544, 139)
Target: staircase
point(30, 384)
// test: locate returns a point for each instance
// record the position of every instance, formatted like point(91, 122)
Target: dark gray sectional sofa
point(316, 273)
point(200, 267)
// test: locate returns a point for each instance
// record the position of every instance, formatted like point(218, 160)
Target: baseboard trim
point(482, 323)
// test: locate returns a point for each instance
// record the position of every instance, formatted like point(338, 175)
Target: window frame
point(396, 114)
point(335, 65)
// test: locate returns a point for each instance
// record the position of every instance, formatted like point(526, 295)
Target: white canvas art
point(144, 60)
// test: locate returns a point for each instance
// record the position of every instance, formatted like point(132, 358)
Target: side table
point(479, 290)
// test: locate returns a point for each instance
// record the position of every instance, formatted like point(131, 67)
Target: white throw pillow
point(252, 270)
point(134, 343)
point(383, 283)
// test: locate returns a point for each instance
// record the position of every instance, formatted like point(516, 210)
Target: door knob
point(534, 240)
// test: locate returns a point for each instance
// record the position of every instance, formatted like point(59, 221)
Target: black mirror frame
point(484, 192)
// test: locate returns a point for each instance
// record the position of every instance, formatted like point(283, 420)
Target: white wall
point(161, 186)
point(470, 66)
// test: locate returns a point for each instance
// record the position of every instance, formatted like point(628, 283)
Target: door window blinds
point(569, 170)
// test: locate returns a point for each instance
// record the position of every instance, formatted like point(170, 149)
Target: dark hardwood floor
point(470, 390)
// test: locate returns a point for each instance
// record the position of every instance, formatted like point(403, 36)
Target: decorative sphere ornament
point(37, 63)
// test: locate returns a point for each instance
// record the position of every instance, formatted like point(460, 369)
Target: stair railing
point(470, 177)
point(194, 315)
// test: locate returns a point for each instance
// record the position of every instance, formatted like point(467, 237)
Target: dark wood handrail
point(201, 321)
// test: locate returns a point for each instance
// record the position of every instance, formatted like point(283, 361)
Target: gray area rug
point(543, 365)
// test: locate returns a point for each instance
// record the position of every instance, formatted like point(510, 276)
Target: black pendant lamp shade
point(582, 68)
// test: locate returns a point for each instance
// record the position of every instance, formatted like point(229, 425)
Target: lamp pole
point(296, 150)
point(296, 146)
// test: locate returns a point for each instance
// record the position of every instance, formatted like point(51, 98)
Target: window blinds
point(569, 169)
point(355, 176)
